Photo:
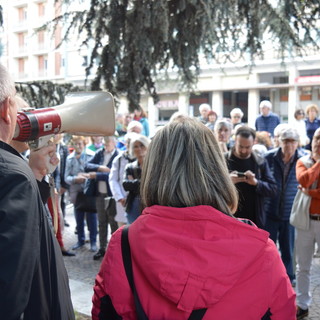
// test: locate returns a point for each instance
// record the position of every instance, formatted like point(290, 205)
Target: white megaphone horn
point(82, 113)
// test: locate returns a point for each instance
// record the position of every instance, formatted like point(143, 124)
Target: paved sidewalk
point(82, 270)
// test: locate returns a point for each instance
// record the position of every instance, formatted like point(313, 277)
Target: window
point(41, 37)
point(21, 66)
point(22, 14)
point(305, 93)
point(277, 80)
point(41, 9)
point(85, 61)
point(284, 93)
point(21, 40)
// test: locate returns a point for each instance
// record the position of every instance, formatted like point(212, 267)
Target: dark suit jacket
point(95, 163)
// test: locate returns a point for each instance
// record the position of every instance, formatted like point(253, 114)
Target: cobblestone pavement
point(83, 269)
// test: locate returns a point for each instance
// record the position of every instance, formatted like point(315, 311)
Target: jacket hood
point(194, 255)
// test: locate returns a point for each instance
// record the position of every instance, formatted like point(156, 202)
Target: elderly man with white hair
point(236, 115)
point(33, 279)
point(204, 109)
point(267, 120)
point(282, 163)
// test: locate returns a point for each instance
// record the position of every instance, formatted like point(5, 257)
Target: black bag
point(90, 187)
point(110, 203)
point(85, 203)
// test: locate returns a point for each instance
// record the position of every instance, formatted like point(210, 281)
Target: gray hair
point(7, 88)
point(184, 167)
point(265, 103)
point(204, 106)
point(236, 111)
point(132, 124)
point(223, 123)
point(138, 137)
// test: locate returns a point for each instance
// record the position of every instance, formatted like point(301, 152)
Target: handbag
point(85, 203)
point(299, 216)
point(109, 202)
point(90, 187)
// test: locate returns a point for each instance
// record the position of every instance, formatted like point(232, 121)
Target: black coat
point(33, 278)
point(94, 164)
point(266, 187)
point(63, 153)
point(132, 185)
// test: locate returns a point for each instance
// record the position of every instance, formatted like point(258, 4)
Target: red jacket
point(193, 258)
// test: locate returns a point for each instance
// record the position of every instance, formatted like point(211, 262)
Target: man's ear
point(5, 110)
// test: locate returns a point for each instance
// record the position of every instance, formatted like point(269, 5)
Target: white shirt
point(102, 185)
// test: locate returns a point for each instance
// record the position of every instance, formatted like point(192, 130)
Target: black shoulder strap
point(197, 314)
point(126, 257)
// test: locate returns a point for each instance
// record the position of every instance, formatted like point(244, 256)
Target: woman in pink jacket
point(191, 259)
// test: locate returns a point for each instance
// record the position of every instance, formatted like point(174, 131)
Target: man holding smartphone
point(251, 175)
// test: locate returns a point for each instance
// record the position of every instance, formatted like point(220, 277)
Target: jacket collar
point(10, 149)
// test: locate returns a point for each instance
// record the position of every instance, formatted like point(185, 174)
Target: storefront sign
point(307, 80)
point(168, 104)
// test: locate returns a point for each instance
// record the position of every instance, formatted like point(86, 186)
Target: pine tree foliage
point(1, 16)
point(41, 94)
point(136, 41)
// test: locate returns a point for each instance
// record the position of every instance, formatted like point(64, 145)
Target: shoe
point(66, 224)
point(68, 253)
point(316, 255)
point(93, 247)
point(99, 254)
point(77, 246)
point(301, 313)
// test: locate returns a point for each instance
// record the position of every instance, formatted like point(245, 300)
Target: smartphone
point(241, 175)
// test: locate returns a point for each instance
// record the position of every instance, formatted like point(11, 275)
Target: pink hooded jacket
point(193, 258)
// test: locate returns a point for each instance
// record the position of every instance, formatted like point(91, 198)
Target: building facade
point(289, 85)
point(31, 56)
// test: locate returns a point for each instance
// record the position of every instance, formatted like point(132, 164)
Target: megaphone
point(83, 113)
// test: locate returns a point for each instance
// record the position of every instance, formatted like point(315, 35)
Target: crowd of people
point(203, 208)
point(267, 164)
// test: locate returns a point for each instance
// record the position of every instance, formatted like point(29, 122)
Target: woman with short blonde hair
point(312, 122)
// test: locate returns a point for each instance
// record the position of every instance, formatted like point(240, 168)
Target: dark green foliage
point(1, 16)
point(41, 94)
point(136, 41)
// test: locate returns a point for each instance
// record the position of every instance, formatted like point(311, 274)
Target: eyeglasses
point(236, 117)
